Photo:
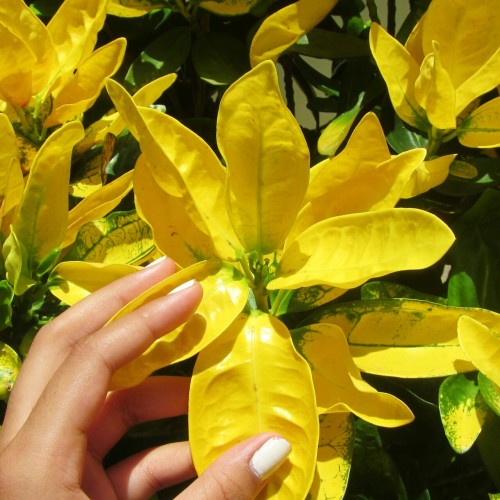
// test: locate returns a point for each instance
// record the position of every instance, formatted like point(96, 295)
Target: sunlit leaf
point(133, 8)
point(120, 238)
point(434, 91)
point(266, 386)
point(200, 170)
point(24, 25)
point(336, 443)
point(336, 131)
point(400, 72)
point(9, 368)
point(404, 337)
point(362, 178)
point(267, 160)
point(283, 28)
point(338, 383)
point(348, 250)
point(429, 174)
point(80, 92)
point(96, 205)
point(41, 222)
point(73, 29)
point(225, 293)
point(15, 77)
point(482, 344)
point(481, 129)
point(71, 282)
point(463, 411)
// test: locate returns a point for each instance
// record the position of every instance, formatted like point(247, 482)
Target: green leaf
point(6, 296)
point(477, 249)
point(119, 238)
point(9, 368)
point(219, 58)
point(164, 55)
point(387, 290)
point(401, 138)
point(463, 411)
point(264, 385)
point(330, 45)
point(488, 447)
point(490, 392)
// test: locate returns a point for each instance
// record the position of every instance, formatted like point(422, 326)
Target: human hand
point(61, 421)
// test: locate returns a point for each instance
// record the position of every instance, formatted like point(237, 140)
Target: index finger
point(68, 406)
point(55, 340)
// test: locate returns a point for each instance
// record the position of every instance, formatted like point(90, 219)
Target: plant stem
point(281, 295)
point(434, 142)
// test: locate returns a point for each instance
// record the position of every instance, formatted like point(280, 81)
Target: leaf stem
point(280, 296)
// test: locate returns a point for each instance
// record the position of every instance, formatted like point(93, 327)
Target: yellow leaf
point(400, 72)
point(283, 28)
point(201, 171)
point(225, 293)
point(18, 269)
point(120, 238)
point(228, 7)
point(467, 32)
point(113, 123)
point(362, 178)
point(336, 131)
point(338, 383)
point(8, 152)
point(434, 91)
point(14, 188)
point(15, 75)
point(335, 448)
point(463, 411)
point(97, 205)
point(42, 219)
point(403, 337)
point(483, 80)
point(249, 380)
point(73, 281)
point(73, 29)
point(78, 93)
point(175, 232)
point(267, 160)
point(481, 129)
point(429, 174)
point(133, 8)
point(348, 250)
point(482, 344)
point(26, 26)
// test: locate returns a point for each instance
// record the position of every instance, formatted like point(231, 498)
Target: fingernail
point(185, 285)
point(270, 456)
point(157, 261)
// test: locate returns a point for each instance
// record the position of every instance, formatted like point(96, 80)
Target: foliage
point(349, 266)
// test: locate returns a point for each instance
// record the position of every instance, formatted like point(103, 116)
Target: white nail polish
point(157, 261)
point(270, 456)
point(185, 285)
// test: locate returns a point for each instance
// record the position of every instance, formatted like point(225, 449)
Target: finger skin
point(230, 476)
point(157, 397)
point(55, 340)
point(78, 390)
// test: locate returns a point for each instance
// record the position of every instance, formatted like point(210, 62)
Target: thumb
point(241, 472)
